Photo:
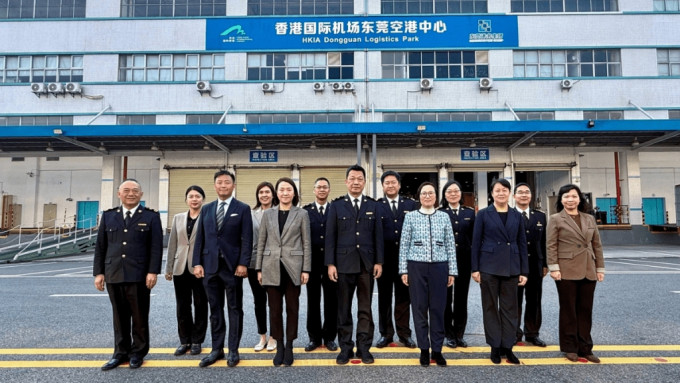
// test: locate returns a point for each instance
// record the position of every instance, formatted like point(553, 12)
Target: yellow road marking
point(331, 362)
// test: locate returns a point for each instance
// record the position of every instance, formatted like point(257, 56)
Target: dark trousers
point(317, 331)
point(259, 301)
point(130, 303)
point(188, 288)
point(363, 284)
point(533, 291)
point(217, 285)
point(499, 309)
point(576, 315)
point(456, 312)
point(276, 294)
point(389, 280)
point(427, 285)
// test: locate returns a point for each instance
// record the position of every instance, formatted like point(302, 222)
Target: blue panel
point(654, 210)
point(348, 33)
point(607, 206)
point(86, 214)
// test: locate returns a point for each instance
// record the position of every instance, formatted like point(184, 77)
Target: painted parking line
point(646, 265)
point(331, 362)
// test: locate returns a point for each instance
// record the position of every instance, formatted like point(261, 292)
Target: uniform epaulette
point(537, 210)
point(409, 199)
point(339, 198)
point(463, 207)
point(112, 209)
point(150, 209)
point(310, 205)
point(369, 198)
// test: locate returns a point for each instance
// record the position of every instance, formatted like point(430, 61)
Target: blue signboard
point(384, 32)
point(264, 156)
point(476, 154)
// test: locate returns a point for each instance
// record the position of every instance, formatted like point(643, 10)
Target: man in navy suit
point(394, 209)
point(354, 256)
point(127, 260)
point(224, 243)
point(535, 229)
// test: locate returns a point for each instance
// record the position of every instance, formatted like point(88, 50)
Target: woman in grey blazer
point(179, 264)
point(284, 260)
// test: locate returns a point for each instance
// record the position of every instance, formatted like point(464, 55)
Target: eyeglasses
point(427, 194)
point(523, 192)
point(453, 191)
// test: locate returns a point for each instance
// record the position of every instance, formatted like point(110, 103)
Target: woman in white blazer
point(179, 269)
point(284, 260)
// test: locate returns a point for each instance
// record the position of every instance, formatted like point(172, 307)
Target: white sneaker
point(271, 345)
point(260, 345)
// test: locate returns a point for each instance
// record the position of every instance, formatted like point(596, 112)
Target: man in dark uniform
point(224, 244)
point(127, 260)
point(354, 256)
point(394, 208)
point(317, 330)
point(535, 229)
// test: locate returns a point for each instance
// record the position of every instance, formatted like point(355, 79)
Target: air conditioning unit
point(567, 83)
point(73, 88)
point(203, 86)
point(267, 87)
point(38, 87)
point(426, 83)
point(485, 83)
point(337, 87)
point(348, 86)
point(319, 86)
point(55, 87)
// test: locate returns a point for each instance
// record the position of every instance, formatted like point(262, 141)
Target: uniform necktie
point(321, 210)
point(220, 215)
point(455, 212)
point(356, 205)
point(127, 218)
point(526, 218)
point(394, 208)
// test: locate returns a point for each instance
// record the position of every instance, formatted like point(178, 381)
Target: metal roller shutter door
point(336, 176)
point(180, 180)
point(247, 180)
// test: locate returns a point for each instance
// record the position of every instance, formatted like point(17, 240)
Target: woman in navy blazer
point(499, 263)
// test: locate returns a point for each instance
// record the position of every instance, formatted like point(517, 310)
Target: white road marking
point(54, 271)
point(21, 264)
point(82, 295)
point(653, 266)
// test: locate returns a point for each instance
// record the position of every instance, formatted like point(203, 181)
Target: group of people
point(422, 254)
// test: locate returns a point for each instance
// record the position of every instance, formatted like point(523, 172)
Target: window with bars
point(530, 6)
point(567, 63)
point(435, 116)
point(435, 64)
point(668, 62)
point(35, 120)
point(136, 119)
point(667, 5)
point(49, 68)
point(388, 7)
point(171, 67)
point(603, 115)
point(203, 118)
point(300, 7)
point(172, 8)
point(674, 114)
point(301, 66)
point(295, 118)
point(532, 116)
point(42, 9)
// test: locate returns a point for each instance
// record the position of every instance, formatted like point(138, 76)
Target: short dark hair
point(505, 183)
point(322, 179)
point(275, 199)
point(357, 168)
point(390, 173)
point(444, 202)
point(521, 184)
point(582, 204)
point(296, 196)
point(224, 173)
point(427, 183)
point(196, 188)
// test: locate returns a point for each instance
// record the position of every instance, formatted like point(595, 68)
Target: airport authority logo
point(485, 33)
point(235, 34)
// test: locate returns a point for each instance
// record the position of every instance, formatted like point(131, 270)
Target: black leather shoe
point(136, 362)
point(495, 355)
point(408, 342)
point(425, 358)
point(536, 341)
point(113, 363)
point(182, 349)
point(365, 356)
point(383, 342)
point(439, 359)
point(288, 357)
point(233, 358)
point(213, 357)
point(461, 343)
point(450, 342)
point(278, 358)
point(592, 358)
point(344, 357)
point(331, 345)
point(511, 357)
point(311, 346)
point(196, 349)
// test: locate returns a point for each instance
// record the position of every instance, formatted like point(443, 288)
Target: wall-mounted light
point(591, 124)
point(312, 145)
point(258, 146)
point(206, 146)
point(154, 147)
point(419, 144)
point(101, 147)
point(582, 143)
point(473, 144)
point(635, 142)
point(49, 147)
point(532, 143)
